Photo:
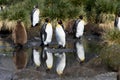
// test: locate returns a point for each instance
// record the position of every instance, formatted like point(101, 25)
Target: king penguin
point(60, 34)
point(79, 27)
point(117, 21)
point(35, 16)
point(46, 32)
point(19, 34)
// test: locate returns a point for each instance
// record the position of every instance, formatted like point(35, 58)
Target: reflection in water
point(61, 62)
point(5, 46)
point(80, 50)
point(47, 57)
point(36, 57)
point(20, 58)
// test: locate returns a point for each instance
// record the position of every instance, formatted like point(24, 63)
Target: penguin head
point(81, 17)
point(47, 20)
point(119, 14)
point(36, 6)
point(19, 21)
point(60, 22)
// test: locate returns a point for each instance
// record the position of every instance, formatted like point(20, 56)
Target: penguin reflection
point(47, 57)
point(36, 57)
point(61, 63)
point(20, 58)
point(80, 50)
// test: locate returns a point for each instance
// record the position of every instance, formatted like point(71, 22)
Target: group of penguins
point(47, 30)
point(46, 33)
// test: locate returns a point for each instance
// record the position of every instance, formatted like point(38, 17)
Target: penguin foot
point(74, 37)
point(81, 62)
point(41, 44)
point(79, 38)
point(37, 68)
point(46, 45)
point(61, 47)
point(18, 46)
point(47, 70)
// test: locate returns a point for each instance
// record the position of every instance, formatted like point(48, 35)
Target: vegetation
point(110, 56)
point(112, 36)
point(59, 8)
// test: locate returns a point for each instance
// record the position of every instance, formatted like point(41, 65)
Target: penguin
point(20, 58)
point(19, 34)
point(35, 16)
point(36, 57)
point(80, 51)
point(47, 58)
point(117, 21)
point(79, 27)
point(60, 34)
point(46, 33)
point(61, 63)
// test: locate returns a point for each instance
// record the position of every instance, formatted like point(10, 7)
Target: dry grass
point(1, 24)
point(7, 25)
point(107, 25)
point(110, 55)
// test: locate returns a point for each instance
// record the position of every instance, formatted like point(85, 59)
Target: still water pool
point(36, 61)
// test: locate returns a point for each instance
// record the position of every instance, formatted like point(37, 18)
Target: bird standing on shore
point(19, 34)
point(117, 21)
point(46, 33)
point(78, 27)
point(60, 34)
point(35, 16)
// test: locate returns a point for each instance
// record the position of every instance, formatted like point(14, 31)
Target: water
point(48, 62)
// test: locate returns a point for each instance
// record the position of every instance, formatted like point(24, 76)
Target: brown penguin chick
point(19, 34)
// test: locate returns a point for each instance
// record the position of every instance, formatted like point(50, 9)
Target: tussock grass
point(111, 36)
point(110, 56)
point(7, 25)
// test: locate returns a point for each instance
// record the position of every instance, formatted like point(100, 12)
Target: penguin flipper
point(116, 22)
point(43, 33)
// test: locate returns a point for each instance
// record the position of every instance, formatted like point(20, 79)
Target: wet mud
point(21, 64)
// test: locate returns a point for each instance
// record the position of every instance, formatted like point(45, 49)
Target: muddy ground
point(74, 70)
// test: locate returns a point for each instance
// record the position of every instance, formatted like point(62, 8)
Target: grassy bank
point(94, 11)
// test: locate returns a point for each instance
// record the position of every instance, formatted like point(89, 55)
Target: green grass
point(112, 36)
point(59, 9)
point(110, 56)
